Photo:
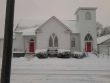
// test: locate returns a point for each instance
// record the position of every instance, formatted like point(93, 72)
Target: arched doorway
point(88, 43)
point(32, 46)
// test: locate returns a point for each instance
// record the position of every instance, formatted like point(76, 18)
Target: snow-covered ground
point(57, 70)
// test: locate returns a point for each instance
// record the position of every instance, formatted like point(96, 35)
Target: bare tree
point(106, 30)
point(99, 28)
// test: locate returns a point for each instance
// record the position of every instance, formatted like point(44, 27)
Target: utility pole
point(8, 39)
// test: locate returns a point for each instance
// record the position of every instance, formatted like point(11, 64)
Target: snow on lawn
point(90, 62)
point(58, 70)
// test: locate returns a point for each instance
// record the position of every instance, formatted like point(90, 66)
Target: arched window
point(56, 41)
point(73, 42)
point(53, 35)
point(88, 16)
point(88, 37)
point(53, 40)
point(50, 42)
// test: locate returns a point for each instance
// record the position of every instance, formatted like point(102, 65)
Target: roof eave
point(85, 8)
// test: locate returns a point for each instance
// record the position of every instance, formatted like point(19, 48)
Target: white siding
point(87, 26)
point(77, 42)
point(53, 26)
point(104, 49)
point(18, 44)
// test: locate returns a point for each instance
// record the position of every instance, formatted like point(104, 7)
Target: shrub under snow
point(62, 53)
point(42, 53)
point(78, 55)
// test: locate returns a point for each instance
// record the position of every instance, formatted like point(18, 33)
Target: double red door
point(88, 47)
point(31, 46)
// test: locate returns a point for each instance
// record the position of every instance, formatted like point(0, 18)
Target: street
point(54, 70)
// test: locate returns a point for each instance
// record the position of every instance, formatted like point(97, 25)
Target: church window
point(53, 40)
point(88, 16)
point(53, 35)
point(50, 42)
point(88, 37)
point(73, 42)
point(56, 41)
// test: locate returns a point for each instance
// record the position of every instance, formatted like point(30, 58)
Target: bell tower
point(86, 23)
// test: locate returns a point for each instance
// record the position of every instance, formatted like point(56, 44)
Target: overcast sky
point(62, 9)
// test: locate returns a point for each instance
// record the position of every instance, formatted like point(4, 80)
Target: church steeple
point(86, 14)
point(86, 22)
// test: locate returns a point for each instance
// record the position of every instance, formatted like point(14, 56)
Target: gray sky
point(63, 9)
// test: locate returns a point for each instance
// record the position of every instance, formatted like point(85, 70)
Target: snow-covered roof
point(103, 39)
point(27, 24)
point(29, 27)
point(27, 32)
point(71, 24)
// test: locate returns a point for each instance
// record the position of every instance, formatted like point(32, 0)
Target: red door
point(88, 47)
point(31, 46)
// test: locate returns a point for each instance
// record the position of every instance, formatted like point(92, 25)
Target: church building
point(74, 35)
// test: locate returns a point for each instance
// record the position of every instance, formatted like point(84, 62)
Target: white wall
point(86, 26)
point(21, 43)
point(104, 48)
point(77, 42)
point(18, 44)
point(53, 26)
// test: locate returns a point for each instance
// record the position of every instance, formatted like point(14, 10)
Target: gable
point(68, 25)
point(55, 20)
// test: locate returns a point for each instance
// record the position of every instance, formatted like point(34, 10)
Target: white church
point(74, 35)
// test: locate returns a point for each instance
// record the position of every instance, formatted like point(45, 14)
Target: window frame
point(88, 15)
point(73, 42)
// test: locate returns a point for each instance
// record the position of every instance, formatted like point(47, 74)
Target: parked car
point(78, 55)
